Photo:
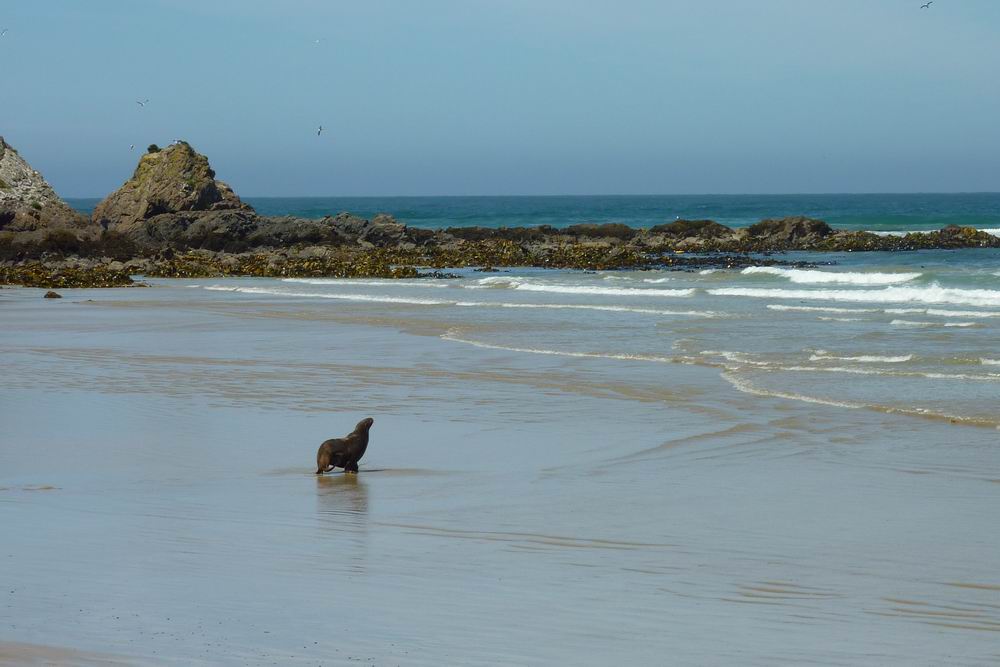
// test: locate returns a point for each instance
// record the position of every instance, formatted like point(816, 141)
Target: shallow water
point(566, 468)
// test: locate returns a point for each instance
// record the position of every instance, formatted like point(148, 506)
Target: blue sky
point(511, 96)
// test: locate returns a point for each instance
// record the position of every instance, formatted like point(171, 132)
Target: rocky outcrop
point(173, 218)
point(793, 232)
point(174, 180)
point(697, 229)
point(27, 201)
point(382, 231)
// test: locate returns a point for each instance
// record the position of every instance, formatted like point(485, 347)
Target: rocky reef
point(173, 218)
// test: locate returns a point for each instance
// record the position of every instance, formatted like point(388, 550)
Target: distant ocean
point(875, 212)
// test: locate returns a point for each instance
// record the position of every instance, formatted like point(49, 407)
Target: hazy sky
point(511, 96)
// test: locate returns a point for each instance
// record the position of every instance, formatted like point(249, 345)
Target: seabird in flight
point(928, 5)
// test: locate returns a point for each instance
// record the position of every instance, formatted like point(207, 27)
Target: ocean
point(763, 466)
point(875, 212)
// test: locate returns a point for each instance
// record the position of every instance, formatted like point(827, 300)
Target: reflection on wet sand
point(342, 498)
point(342, 508)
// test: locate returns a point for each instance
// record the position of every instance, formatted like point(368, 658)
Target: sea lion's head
point(364, 424)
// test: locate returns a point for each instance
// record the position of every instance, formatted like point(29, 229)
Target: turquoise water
point(877, 212)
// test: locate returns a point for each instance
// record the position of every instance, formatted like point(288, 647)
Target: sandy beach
point(159, 503)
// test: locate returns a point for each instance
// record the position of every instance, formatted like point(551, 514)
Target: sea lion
point(344, 452)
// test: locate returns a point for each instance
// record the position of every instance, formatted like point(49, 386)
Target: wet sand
point(12, 653)
point(156, 451)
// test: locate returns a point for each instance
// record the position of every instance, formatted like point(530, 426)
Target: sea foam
point(454, 337)
point(348, 282)
point(464, 304)
point(932, 294)
point(819, 309)
point(865, 358)
point(942, 313)
point(810, 276)
point(327, 295)
point(528, 286)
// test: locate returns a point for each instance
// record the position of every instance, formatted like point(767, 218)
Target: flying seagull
point(131, 147)
point(928, 5)
point(319, 131)
point(3, 32)
point(142, 103)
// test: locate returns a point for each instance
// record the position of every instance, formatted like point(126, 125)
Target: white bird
point(927, 6)
point(142, 103)
point(131, 147)
point(317, 41)
point(319, 131)
point(3, 32)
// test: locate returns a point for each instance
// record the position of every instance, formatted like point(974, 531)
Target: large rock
point(213, 230)
point(798, 232)
point(382, 231)
point(27, 201)
point(698, 229)
point(176, 179)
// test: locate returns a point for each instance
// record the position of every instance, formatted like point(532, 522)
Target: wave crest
point(932, 294)
point(812, 276)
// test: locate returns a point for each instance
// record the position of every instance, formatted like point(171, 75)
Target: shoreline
point(228, 243)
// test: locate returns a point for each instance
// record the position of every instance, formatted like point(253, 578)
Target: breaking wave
point(872, 359)
point(820, 309)
point(524, 285)
point(349, 282)
point(810, 276)
point(932, 294)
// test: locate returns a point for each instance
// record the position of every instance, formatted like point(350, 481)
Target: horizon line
point(555, 196)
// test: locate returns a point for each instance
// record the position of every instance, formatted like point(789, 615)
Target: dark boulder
point(212, 230)
point(610, 230)
point(288, 231)
point(799, 232)
point(700, 229)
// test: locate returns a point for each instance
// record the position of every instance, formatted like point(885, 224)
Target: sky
point(461, 97)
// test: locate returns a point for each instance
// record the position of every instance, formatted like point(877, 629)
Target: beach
point(724, 467)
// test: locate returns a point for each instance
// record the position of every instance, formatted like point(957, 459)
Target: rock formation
point(27, 202)
point(793, 232)
point(174, 219)
point(175, 181)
